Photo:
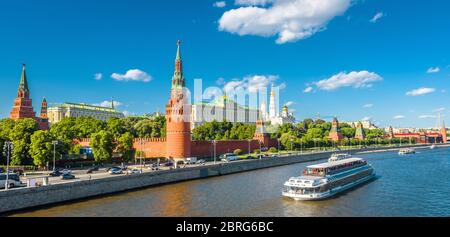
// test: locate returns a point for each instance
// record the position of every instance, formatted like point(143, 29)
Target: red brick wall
point(153, 147)
point(157, 147)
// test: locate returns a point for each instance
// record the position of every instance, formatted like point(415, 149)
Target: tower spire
point(23, 86)
point(178, 77)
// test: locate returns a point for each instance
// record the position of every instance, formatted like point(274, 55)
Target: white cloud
point(98, 76)
point(367, 119)
point(368, 106)
point(420, 91)
point(439, 110)
point(308, 89)
point(432, 70)
point(253, 2)
point(289, 20)
point(107, 104)
point(397, 117)
point(361, 79)
point(290, 103)
point(220, 4)
point(254, 83)
point(132, 75)
point(377, 17)
point(427, 117)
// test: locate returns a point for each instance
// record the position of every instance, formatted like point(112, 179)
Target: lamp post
point(214, 145)
point(260, 149)
point(249, 146)
point(54, 154)
point(278, 140)
point(301, 145)
point(7, 148)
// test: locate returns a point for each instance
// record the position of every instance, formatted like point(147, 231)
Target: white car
point(116, 171)
point(133, 171)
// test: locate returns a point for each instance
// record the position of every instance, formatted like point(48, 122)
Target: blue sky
point(356, 64)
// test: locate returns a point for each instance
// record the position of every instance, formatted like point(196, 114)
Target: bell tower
point(178, 111)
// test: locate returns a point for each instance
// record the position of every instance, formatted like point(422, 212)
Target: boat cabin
point(330, 168)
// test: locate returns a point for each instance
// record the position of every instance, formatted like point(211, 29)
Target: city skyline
point(397, 74)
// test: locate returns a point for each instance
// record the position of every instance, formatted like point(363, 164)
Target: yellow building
point(67, 110)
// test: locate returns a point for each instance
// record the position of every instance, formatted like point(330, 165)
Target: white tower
point(272, 106)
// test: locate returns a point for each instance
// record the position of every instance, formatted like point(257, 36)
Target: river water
point(413, 185)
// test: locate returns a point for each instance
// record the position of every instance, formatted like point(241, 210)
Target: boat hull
point(330, 193)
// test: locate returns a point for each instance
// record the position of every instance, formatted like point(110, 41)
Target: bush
point(237, 152)
point(257, 151)
point(273, 150)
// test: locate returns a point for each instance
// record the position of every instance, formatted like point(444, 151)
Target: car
point(228, 157)
point(67, 176)
point(66, 171)
point(201, 162)
point(154, 166)
point(55, 173)
point(133, 171)
point(115, 170)
point(168, 164)
point(91, 170)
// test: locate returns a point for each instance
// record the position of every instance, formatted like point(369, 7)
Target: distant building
point(367, 124)
point(222, 109)
point(421, 136)
point(335, 133)
point(72, 110)
point(23, 105)
point(360, 134)
point(273, 116)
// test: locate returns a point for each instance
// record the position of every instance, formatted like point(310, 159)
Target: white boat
point(406, 151)
point(432, 147)
point(325, 180)
point(336, 157)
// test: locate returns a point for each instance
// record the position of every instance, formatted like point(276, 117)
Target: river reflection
point(415, 185)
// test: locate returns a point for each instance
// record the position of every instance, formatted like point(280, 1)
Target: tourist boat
point(325, 180)
point(406, 151)
point(336, 157)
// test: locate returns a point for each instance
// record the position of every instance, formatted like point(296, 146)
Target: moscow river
point(413, 185)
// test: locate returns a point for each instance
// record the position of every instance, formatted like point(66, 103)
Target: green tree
point(41, 148)
point(21, 137)
point(125, 146)
point(102, 144)
point(348, 132)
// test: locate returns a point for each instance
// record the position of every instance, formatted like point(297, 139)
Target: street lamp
point(301, 145)
point(278, 140)
point(214, 145)
point(249, 146)
point(54, 154)
point(7, 148)
point(260, 149)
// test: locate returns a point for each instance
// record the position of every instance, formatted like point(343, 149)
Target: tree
point(348, 132)
point(125, 146)
point(41, 148)
point(21, 137)
point(102, 144)
point(144, 128)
